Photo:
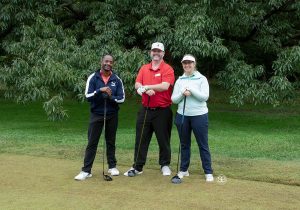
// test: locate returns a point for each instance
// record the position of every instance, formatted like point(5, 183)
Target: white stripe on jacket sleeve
point(123, 98)
point(88, 95)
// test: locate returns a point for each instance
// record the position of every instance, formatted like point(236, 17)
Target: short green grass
point(232, 133)
point(30, 182)
point(244, 141)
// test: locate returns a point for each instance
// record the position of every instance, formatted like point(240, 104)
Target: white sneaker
point(82, 176)
point(166, 171)
point(137, 172)
point(113, 171)
point(209, 177)
point(181, 174)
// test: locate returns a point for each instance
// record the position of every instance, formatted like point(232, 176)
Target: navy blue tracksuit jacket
point(95, 97)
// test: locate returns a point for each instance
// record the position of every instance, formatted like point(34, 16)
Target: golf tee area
point(255, 147)
point(47, 183)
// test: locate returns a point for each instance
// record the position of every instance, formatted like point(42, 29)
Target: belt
point(154, 108)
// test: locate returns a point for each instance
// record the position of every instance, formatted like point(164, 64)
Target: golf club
point(132, 173)
point(105, 176)
point(176, 179)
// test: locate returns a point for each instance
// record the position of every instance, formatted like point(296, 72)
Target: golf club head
point(131, 173)
point(107, 178)
point(176, 180)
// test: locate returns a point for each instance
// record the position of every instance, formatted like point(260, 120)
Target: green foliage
point(127, 66)
point(54, 108)
point(288, 61)
point(42, 67)
point(48, 48)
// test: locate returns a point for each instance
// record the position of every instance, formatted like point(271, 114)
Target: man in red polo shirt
point(154, 83)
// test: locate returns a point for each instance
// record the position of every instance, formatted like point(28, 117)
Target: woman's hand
point(187, 93)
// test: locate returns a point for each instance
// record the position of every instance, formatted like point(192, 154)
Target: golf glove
point(142, 90)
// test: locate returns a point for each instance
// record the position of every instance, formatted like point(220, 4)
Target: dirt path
point(47, 183)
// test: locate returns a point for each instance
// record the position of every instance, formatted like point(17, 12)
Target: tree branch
point(7, 31)
point(294, 40)
point(255, 29)
point(77, 14)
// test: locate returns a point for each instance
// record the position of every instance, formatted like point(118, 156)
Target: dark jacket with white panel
point(96, 97)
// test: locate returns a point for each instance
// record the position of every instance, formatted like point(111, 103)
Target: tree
point(264, 63)
point(49, 48)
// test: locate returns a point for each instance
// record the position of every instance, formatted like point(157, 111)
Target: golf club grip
point(148, 104)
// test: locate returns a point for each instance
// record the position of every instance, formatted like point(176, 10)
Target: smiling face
point(107, 63)
point(157, 54)
point(188, 67)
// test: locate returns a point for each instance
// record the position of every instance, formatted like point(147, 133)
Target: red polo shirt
point(148, 76)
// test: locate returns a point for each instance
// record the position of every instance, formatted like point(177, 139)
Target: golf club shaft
point(142, 132)
point(104, 139)
point(181, 125)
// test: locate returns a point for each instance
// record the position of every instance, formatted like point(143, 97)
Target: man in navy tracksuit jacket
point(102, 85)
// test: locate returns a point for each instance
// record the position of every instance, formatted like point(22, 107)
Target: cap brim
point(187, 60)
point(156, 49)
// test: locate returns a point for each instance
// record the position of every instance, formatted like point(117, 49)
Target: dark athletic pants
point(94, 133)
point(158, 121)
point(199, 125)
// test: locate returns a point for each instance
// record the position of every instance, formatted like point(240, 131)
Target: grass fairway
point(257, 148)
point(47, 183)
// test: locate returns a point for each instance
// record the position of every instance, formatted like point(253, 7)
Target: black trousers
point(160, 122)
point(94, 133)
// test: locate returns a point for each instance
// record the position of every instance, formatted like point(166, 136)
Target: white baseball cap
point(188, 58)
point(158, 45)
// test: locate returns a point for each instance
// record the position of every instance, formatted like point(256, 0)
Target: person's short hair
point(106, 55)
